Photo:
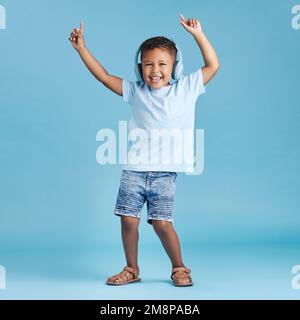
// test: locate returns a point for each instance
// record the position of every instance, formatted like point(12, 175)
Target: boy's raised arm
point(211, 60)
point(77, 40)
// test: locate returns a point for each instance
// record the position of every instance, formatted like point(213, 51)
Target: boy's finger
point(184, 25)
point(183, 22)
point(182, 17)
point(81, 27)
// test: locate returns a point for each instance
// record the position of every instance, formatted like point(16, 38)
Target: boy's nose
point(155, 69)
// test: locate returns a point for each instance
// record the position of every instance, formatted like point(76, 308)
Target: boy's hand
point(77, 39)
point(191, 25)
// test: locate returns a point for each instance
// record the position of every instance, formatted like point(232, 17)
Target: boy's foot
point(181, 277)
point(127, 275)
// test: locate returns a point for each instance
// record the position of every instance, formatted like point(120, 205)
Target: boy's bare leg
point(130, 236)
point(170, 241)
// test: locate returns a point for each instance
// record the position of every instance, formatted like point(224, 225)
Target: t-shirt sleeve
point(128, 90)
point(193, 83)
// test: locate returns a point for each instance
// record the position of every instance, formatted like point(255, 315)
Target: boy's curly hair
point(159, 42)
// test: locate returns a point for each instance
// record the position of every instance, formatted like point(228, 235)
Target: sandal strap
point(180, 272)
point(126, 274)
point(181, 275)
point(131, 271)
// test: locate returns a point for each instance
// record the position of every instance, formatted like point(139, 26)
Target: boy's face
point(157, 65)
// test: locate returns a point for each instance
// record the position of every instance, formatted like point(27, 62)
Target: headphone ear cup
point(140, 70)
point(174, 70)
point(178, 71)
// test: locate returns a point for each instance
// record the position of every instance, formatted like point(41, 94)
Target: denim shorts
point(155, 187)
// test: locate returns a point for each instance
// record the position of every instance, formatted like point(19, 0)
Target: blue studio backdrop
point(55, 196)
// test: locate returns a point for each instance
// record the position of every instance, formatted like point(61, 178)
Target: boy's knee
point(129, 222)
point(161, 225)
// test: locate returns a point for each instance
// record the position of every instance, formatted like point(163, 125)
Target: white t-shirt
point(161, 128)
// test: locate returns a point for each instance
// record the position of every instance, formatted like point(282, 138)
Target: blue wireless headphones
point(177, 71)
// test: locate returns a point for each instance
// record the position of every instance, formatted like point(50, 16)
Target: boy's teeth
point(155, 78)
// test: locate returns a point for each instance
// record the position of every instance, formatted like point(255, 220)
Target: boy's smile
point(157, 65)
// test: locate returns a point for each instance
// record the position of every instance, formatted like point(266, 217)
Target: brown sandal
point(181, 277)
point(126, 276)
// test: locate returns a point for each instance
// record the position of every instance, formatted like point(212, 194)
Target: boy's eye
point(149, 64)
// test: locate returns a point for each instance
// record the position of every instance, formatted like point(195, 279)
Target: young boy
point(157, 103)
